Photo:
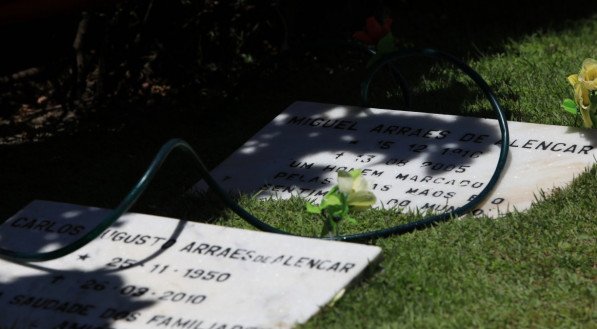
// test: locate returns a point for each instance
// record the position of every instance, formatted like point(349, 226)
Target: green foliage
point(351, 193)
point(585, 88)
point(528, 77)
point(532, 269)
point(386, 45)
point(570, 106)
point(525, 270)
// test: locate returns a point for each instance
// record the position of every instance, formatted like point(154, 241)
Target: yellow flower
point(356, 188)
point(588, 74)
point(584, 83)
point(581, 94)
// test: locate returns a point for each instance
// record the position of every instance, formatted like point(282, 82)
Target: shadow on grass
point(98, 169)
point(482, 28)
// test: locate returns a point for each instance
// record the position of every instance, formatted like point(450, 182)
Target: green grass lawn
point(533, 269)
point(536, 269)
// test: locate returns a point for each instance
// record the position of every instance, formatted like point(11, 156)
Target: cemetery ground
point(532, 269)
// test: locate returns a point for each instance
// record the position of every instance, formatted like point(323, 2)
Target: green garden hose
point(178, 144)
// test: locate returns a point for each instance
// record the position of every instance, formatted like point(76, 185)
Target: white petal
point(360, 184)
point(344, 182)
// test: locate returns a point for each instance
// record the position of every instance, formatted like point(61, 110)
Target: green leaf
point(355, 173)
point(330, 199)
point(335, 210)
point(345, 209)
point(313, 209)
point(570, 106)
point(387, 44)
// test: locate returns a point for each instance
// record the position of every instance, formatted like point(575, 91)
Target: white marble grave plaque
point(423, 161)
point(155, 272)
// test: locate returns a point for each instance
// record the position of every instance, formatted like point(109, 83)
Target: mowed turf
point(532, 269)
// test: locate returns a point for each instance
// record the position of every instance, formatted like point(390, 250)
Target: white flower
point(356, 189)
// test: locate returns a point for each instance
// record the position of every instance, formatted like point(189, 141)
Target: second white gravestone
point(155, 272)
point(414, 161)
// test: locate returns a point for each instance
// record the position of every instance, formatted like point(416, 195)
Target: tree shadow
point(430, 86)
point(464, 28)
point(66, 299)
point(70, 291)
point(482, 29)
point(586, 133)
point(281, 157)
point(93, 169)
point(46, 226)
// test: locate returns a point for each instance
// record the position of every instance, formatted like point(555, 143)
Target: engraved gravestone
point(429, 162)
point(155, 272)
